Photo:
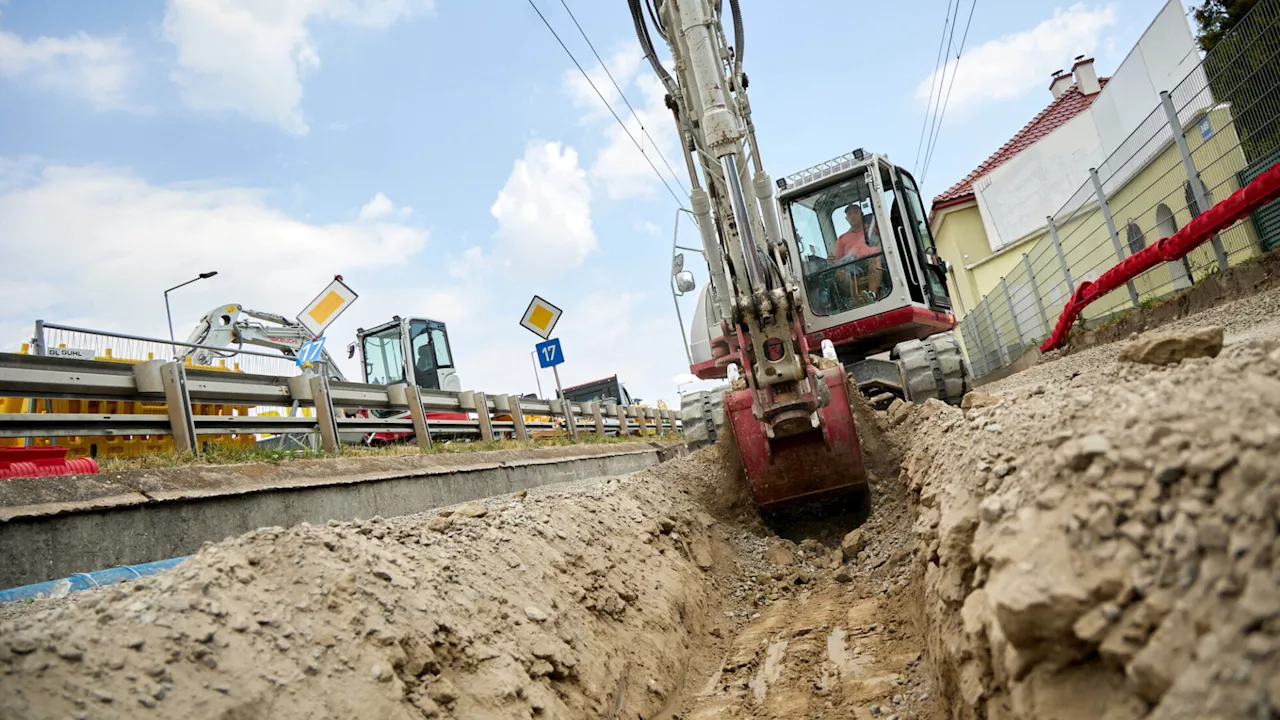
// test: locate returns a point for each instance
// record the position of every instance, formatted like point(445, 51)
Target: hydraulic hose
point(737, 38)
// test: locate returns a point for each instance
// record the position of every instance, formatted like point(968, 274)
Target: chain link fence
point(1211, 135)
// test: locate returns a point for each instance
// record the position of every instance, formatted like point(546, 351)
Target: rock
point(991, 509)
point(851, 545)
point(1078, 454)
point(978, 399)
point(1002, 469)
point(1172, 348)
point(380, 673)
point(472, 510)
point(701, 553)
point(780, 555)
point(442, 691)
point(520, 495)
point(535, 614)
point(1212, 535)
point(439, 523)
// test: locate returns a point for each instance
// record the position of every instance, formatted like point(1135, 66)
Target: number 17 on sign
point(550, 355)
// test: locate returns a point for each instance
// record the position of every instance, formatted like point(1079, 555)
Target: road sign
point(327, 306)
point(311, 351)
point(1206, 128)
point(549, 353)
point(540, 317)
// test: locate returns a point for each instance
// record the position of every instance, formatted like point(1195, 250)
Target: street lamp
point(169, 315)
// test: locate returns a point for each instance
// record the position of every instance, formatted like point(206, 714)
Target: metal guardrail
point(177, 386)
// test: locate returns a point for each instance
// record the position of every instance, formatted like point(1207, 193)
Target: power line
point(937, 63)
point(587, 77)
point(933, 123)
point(959, 53)
point(623, 95)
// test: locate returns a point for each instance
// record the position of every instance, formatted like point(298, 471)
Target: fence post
point(1035, 293)
point(671, 420)
point(1001, 353)
point(1062, 259)
point(173, 377)
point(421, 432)
point(1193, 175)
point(621, 411)
point(1013, 313)
point(37, 348)
point(517, 418)
point(598, 417)
point(326, 420)
point(640, 421)
point(1111, 228)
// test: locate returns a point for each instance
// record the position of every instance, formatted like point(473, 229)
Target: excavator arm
point(230, 325)
point(793, 422)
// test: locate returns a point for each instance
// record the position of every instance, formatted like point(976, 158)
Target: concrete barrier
point(64, 525)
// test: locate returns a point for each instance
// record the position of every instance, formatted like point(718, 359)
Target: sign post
point(550, 355)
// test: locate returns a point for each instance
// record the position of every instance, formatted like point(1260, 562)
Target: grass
point(220, 454)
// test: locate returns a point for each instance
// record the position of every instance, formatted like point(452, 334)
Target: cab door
point(915, 222)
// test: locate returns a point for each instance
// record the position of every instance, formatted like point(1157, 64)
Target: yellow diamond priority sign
point(540, 317)
point(327, 306)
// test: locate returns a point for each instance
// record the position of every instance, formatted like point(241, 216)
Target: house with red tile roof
point(985, 221)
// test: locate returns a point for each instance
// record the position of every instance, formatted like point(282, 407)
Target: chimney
point(1086, 76)
point(1061, 81)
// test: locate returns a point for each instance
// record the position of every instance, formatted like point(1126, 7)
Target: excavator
point(808, 286)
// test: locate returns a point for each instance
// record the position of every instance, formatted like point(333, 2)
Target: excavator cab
point(414, 350)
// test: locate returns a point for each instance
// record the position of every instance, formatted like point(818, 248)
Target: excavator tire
point(933, 368)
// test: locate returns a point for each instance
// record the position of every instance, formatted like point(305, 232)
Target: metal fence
point(1211, 135)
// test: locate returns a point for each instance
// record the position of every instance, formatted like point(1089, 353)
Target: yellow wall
point(962, 241)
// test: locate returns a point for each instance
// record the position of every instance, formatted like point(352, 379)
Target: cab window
point(384, 357)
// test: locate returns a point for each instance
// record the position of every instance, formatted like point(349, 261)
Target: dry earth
point(1091, 538)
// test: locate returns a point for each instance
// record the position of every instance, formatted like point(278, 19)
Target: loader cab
point(413, 350)
point(858, 231)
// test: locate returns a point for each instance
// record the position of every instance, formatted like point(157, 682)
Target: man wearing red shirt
point(853, 246)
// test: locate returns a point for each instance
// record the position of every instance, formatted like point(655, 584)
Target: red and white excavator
point(842, 253)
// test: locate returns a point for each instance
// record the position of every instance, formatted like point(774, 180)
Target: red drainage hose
point(42, 462)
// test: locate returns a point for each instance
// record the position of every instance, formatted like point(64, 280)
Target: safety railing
point(1212, 134)
point(342, 410)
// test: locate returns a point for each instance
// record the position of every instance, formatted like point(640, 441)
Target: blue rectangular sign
point(549, 353)
point(1206, 128)
point(310, 352)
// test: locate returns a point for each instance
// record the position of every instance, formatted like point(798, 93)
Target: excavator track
point(933, 368)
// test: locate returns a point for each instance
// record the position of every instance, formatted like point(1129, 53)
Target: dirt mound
point(578, 602)
point(1101, 542)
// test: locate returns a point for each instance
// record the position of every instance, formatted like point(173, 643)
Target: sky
point(447, 158)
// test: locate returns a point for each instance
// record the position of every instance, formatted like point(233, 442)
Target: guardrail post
point(621, 412)
point(1193, 175)
point(671, 420)
point(1062, 259)
point(598, 417)
point(640, 421)
point(178, 404)
point(421, 431)
point(1111, 228)
point(326, 419)
point(482, 414)
point(1035, 293)
point(517, 418)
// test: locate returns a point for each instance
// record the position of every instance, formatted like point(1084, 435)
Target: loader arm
point(792, 421)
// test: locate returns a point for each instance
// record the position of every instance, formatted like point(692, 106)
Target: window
point(384, 357)
point(919, 221)
point(1133, 235)
point(430, 350)
point(1166, 225)
point(840, 246)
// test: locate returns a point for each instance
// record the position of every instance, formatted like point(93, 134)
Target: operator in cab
point(862, 278)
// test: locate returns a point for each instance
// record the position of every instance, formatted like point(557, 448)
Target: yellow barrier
point(124, 445)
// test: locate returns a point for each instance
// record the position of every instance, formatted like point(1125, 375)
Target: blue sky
point(445, 156)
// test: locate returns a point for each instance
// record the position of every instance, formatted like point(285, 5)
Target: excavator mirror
point(684, 281)
point(677, 264)
point(351, 350)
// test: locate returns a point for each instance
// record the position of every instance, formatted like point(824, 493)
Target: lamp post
point(169, 315)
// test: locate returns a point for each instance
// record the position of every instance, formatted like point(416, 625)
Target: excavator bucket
point(801, 468)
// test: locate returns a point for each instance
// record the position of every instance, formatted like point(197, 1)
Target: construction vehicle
point(784, 280)
point(608, 390)
point(402, 350)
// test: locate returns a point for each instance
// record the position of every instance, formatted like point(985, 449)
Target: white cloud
point(96, 69)
point(250, 56)
point(381, 208)
point(544, 211)
point(620, 166)
point(1021, 62)
point(114, 242)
